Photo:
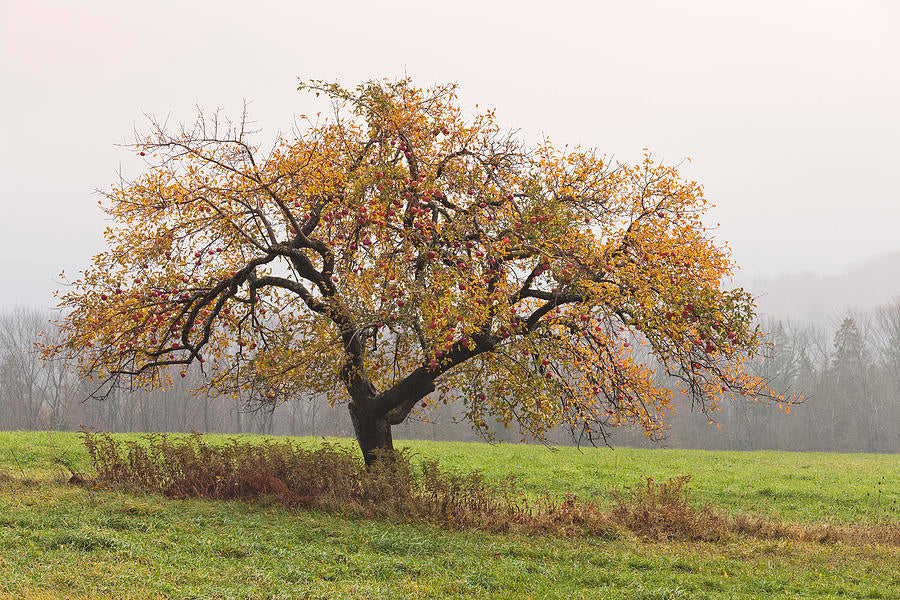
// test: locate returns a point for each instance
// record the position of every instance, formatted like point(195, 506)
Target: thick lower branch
point(397, 402)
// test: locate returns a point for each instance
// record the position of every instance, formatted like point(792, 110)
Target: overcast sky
point(788, 110)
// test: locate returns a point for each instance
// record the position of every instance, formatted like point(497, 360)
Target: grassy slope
point(791, 485)
point(59, 541)
point(794, 486)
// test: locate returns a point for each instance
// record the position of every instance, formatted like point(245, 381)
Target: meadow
point(63, 541)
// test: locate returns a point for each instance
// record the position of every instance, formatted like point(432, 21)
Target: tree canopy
point(398, 248)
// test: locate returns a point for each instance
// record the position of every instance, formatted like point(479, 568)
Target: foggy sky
point(787, 110)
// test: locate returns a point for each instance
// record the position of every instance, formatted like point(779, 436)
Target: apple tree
point(399, 252)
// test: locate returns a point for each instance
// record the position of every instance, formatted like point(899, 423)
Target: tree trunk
point(373, 414)
point(373, 434)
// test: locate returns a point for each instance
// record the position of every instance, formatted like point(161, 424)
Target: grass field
point(59, 541)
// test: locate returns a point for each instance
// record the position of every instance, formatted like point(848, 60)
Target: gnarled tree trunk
point(373, 433)
point(373, 414)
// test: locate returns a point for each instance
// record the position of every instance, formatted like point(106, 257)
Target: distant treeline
point(848, 375)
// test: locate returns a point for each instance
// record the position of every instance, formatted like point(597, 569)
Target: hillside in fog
point(821, 298)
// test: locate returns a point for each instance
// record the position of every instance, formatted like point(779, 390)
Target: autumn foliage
point(399, 252)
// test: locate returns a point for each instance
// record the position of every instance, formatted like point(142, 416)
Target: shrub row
point(333, 478)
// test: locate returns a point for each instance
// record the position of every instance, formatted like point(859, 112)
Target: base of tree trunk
point(373, 435)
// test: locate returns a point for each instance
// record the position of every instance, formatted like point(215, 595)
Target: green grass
point(792, 485)
point(796, 486)
point(59, 541)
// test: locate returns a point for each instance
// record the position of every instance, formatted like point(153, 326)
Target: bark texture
point(373, 415)
point(372, 432)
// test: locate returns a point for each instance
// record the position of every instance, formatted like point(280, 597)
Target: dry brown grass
point(885, 532)
point(332, 478)
point(664, 511)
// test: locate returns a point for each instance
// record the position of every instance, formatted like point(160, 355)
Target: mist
point(787, 112)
